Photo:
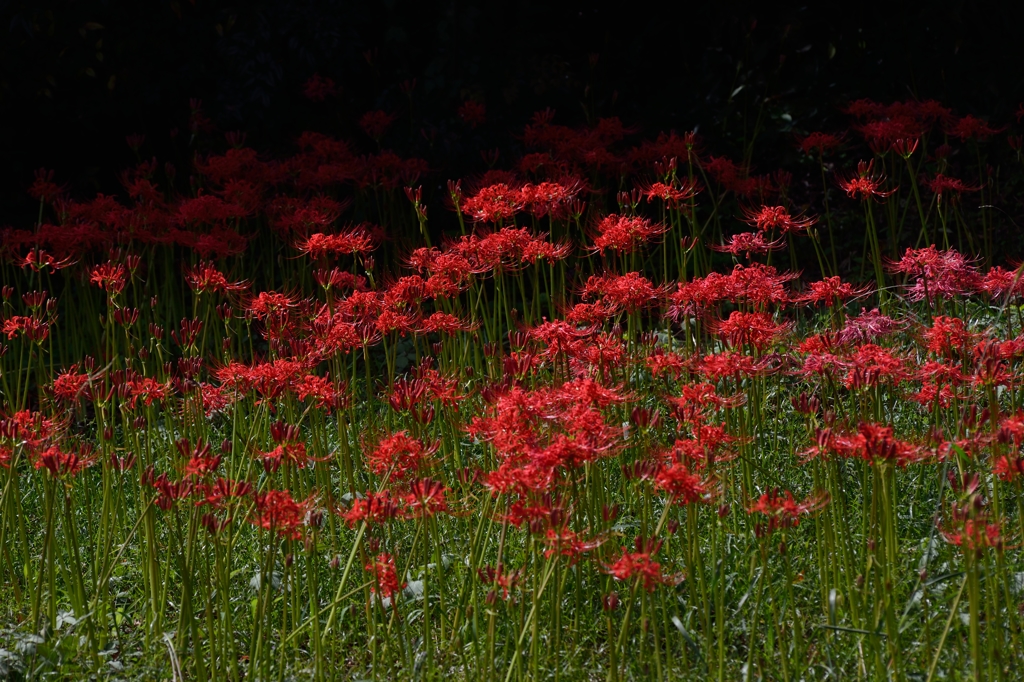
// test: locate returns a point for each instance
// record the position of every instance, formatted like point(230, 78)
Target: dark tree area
point(77, 77)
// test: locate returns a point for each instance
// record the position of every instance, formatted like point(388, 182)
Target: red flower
point(110, 277)
point(399, 455)
point(682, 485)
point(359, 239)
point(942, 184)
point(756, 329)
point(871, 442)
point(68, 386)
point(771, 218)
point(318, 88)
point(640, 565)
point(426, 498)
point(748, 243)
point(672, 195)
point(832, 291)
point(206, 278)
point(376, 123)
point(500, 578)
point(278, 512)
point(631, 291)
point(385, 576)
point(865, 185)
point(60, 463)
point(494, 204)
point(473, 113)
point(937, 273)
point(783, 511)
point(372, 508)
point(822, 143)
point(972, 127)
point(625, 234)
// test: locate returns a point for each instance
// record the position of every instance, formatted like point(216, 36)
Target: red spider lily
point(201, 460)
point(948, 336)
point(270, 303)
point(426, 498)
point(731, 364)
point(290, 216)
point(207, 209)
point(43, 187)
point(110, 277)
point(662, 363)
point(507, 249)
point(971, 127)
point(31, 428)
point(823, 356)
point(871, 364)
point(749, 243)
point(206, 278)
point(942, 185)
point(294, 452)
point(376, 123)
point(772, 218)
point(870, 325)
point(501, 578)
point(939, 384)
point(975, 535)
point(906, 146)
point(821, 143)
point(757, 284)
point(318, 88)
point(322, 392)
point(168, 492)
point(270, 379)
point(1011, 430)
point(494, 204)
point(999, 282)
point(832, 291)
point(69, 386)
point(555, 199)
point(990, 367)
point(473, 113)
point(674, 196)
point(755, 329)
point(384, 575)
point(865, 185)
point(399, 455)
point(278, 512)
point(445, 324)
point(699, 398)
point(625, 234)
point(872, 442)
point(937, 273)
point(359, 239)
point(882, 134)
point(37, 259)
point(338, 280)
point(34, 330)
point(222, 491)
point(566, 543)
point(682, 486)
point(373, 508)
point(782, 509)
point(631, 291)
point(62, 464)
point(641, 566)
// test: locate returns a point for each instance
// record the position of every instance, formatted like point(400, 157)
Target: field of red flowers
point(624, 409)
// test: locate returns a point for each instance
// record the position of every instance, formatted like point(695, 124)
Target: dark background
point(77, 77)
